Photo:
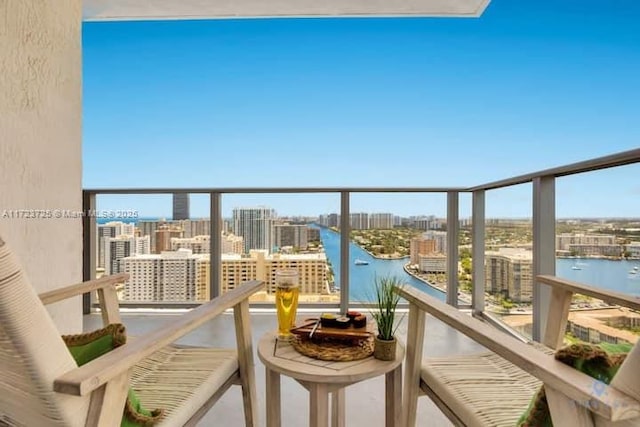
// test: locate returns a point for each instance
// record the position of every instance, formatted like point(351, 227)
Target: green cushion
point(86, 347)
point(598, 361)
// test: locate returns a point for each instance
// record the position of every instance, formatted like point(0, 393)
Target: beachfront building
point(381, 220)
point(564, 241)
point(592, 250)
point(434, 263)
point(420, 246)
point(508, 272)
point(633, 250)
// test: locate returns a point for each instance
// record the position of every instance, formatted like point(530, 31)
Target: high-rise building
point(427, 222)
point(169, 276)
point(184, 276)
point(180, 206)
point(508, 271)
point(333, 220)
point(148, 228)
point(440, 237)
point(195, 227)
point(381, 220)
point(291, 235)
point(163, 236)
point(111, 229)
point(117, 248)
point(255, 225)
point(420, 246)
point(359, 221)
point(313, 234)
point(197, 244)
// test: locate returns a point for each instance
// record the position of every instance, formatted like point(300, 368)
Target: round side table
point(322, 378)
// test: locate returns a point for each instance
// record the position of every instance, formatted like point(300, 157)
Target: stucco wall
point(40, 143)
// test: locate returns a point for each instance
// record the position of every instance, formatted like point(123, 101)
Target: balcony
point(535, 255)
point(41, 170)
point(365, 400)
point(366, 407)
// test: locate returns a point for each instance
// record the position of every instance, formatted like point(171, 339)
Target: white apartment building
point(166, 277)
point(591, 250)
point(634, 249)
point(183, 276)
point(565, 240)
point(359, 221)
point(117, 248)
point(255, 225)
point(508, 271)
point(432, 263)
point(381, 220)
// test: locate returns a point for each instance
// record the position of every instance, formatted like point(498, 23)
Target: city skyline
point(368, 103)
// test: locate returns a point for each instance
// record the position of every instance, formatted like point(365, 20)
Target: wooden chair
point(494, 388)
point(41, 385)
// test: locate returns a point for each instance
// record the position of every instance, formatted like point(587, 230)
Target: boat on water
point(576, 267)
point(634, 270)
point(361, 262)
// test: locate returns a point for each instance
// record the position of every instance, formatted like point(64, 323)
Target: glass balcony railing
point(188, 245)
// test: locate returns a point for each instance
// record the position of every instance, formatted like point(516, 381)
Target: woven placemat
point(333, 350)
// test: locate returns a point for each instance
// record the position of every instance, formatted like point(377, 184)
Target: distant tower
point(255, 225)
point(180, 206)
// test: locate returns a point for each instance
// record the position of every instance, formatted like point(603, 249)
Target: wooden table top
point(284, 359)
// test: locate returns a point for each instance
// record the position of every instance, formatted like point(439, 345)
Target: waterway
point(608, 274)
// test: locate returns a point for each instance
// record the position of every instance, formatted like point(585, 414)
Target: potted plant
point(383, 312)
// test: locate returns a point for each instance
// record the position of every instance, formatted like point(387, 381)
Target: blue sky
point(367, 102)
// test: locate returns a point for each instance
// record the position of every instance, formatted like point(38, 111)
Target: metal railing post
point(215, 245)
point(89, 245)
point(478, 229)
point(544, 249)
point(345, 229)
point(453, 229)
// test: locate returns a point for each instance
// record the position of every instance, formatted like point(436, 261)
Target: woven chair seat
point(481, 389)
point(180, 379)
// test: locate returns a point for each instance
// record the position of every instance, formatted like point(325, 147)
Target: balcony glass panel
point(598, 243)
point(263, 233)
point(509, 257)
point(161, 241)
point(397, 234)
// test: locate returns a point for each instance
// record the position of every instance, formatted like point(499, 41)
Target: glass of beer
point(287, 291)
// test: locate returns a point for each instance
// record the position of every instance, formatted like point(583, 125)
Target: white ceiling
point(110, 10)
